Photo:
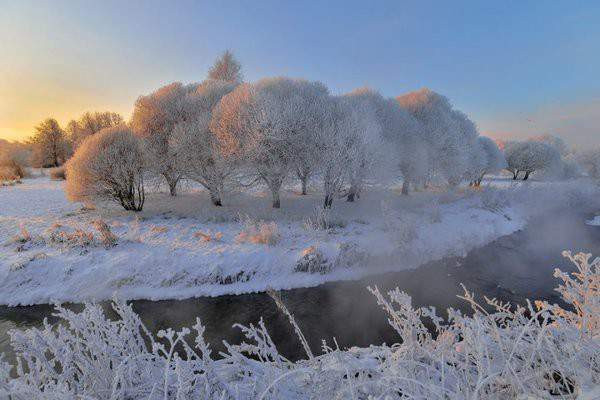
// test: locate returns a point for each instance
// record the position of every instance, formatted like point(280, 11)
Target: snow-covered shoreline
point(183, 248)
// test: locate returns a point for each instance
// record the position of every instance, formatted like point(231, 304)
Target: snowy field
point(52, 250)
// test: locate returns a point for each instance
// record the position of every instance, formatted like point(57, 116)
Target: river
point(512, 268)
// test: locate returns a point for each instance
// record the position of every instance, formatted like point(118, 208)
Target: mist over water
point(512, 268)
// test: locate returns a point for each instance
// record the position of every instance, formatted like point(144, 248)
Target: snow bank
point(594, 221)
point(540, 352)
point(178, 248)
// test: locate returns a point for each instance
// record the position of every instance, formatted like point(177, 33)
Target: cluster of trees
point(51, 145)
point(224, 133)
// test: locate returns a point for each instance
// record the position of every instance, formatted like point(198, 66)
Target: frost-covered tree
point(491, 160)
point(450, 136)
point(366, 147)
point(557, 142)
point(153, 120)
point(226, 68)
point(350, 133)
point(268, 126)
point(108, 165)
point(49, 143)
point(589, 160)
point(198, 151)
point(90, 123)
point(397, 147)
point(530, 156)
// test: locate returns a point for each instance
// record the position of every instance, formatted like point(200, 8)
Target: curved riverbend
point(512, 268)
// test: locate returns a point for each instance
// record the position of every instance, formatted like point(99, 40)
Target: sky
point(517, 68)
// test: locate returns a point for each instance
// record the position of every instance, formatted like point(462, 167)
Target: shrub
point(258, 232)
point(11, 169)
point(209, 236)
point(323, 219)
point(58, 173)
point(107, 238)
point(108, 165)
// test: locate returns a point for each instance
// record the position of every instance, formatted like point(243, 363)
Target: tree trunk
point(353, 193)
point(304, 181)
point(526, 175)
point(405, 186)
point(215, 199)
point(276, 200)
point(328, 201)
point(173, 188)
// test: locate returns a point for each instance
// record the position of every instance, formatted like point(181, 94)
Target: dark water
point(511, 268)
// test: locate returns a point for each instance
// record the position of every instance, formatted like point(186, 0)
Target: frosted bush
point(312, 260)
point(258, 232)
point(324, 219)
point(209, 236)
point(537, 351)
point(401, 225)
point(66, 236)
point(107, 238)
point(11, 170)
point(58, 173)
point(108, 166)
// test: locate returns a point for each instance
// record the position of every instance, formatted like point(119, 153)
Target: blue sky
point(516, 67)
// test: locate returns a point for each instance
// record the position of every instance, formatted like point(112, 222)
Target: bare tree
point(108, 165)
point(226, 68)
point(50, 147)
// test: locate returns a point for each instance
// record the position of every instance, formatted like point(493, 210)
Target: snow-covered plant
point(108, 165)
point(258, 232)
point(107, 237)
point(268, 126)
point(153, 120)
point(530, 156)
point(324, 219)
point(500, 351)
point(198, 152)
point(58, 173)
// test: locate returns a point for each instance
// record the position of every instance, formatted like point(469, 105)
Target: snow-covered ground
point(53, 250)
